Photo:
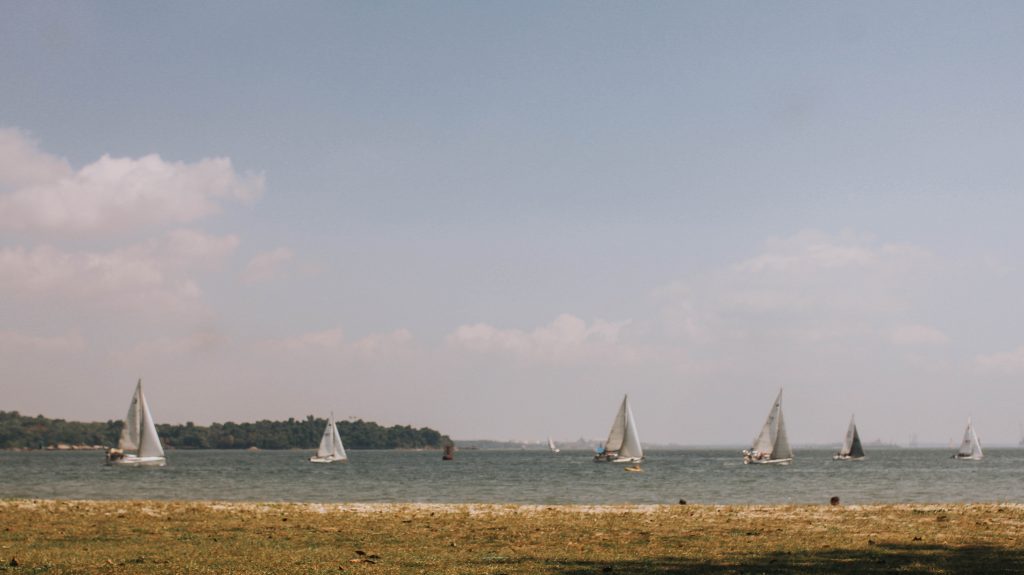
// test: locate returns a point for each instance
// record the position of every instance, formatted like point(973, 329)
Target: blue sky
point(496, 218)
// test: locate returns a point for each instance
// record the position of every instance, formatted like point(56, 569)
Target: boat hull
point(613, 458)
point(838, 457)
point(328, 459)
point(967, 457)
point(135, 461)
point(748, 461)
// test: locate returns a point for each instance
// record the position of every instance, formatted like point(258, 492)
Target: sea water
point(715, 476)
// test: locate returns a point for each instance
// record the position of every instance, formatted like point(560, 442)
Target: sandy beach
point(46, 536)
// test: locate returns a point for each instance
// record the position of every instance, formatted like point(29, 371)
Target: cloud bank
point(43, 193)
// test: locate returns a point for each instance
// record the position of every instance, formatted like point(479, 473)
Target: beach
point(81, 536)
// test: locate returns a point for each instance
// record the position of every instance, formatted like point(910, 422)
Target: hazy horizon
point(496, 219)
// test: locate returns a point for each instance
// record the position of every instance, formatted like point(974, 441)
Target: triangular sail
point(765, 442)
point(330, 442)
point(139, 432)
point(551, 444)
point(851, 444)
point(149, 441)
point(618, 431)
point(970, 447)
point(856, 449)
point(781, 449)
point(631, 441)
point(339, 449)
point(129, 440)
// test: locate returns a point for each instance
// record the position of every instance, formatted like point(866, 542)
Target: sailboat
point(623, 444)
point(970, 447)
point(138, 435)
point(330, 449)
point(851, 449)
point(772, 445)
point(551, 445)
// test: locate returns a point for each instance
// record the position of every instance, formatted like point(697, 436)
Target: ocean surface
point(537, 477)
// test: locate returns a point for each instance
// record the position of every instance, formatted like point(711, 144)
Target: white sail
point(765, 441)
point(551, 445)
point(149, 441)
point(139, 435)
point(623, 444)
point(331, 448)
point(970, 447)
point(772, 444)
point(129, 440)
point(618, 431)
point(852, 448)
point(631, 448)
point(781, 449)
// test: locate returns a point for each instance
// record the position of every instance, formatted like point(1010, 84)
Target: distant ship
point(331, 448)
point(970, 447)
point(551, 445)
point(851, 449)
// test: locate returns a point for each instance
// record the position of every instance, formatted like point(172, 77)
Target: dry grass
point(190, 537)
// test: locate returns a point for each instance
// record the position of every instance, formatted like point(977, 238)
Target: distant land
point(589, 445)
point(580, 444)
point(26, 432)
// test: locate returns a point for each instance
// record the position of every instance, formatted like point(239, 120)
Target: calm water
point(699, 476)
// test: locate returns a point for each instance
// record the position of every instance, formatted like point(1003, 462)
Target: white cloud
point(111, 194)
point(333, 342)
point(267, 265)
point(192, 247)
point(15, 343)
point(911, 335)
point(810, 287)
point(808, 251)
point(156, 275)
point(566, 339)
point(1004, 363)
point(22, 164)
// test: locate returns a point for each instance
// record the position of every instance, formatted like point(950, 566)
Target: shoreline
point(151, 536)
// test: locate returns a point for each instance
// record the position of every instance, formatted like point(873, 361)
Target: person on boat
point(114, 454)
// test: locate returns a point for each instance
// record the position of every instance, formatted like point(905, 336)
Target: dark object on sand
point(682, 502)
point(834, 500)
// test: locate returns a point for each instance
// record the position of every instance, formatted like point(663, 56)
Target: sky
point(496, 218)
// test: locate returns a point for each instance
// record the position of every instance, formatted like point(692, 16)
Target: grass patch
point(194, 537)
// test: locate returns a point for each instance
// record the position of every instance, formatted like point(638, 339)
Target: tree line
point(20, 431)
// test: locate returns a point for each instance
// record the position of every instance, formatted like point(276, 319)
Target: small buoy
point(834, 500)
